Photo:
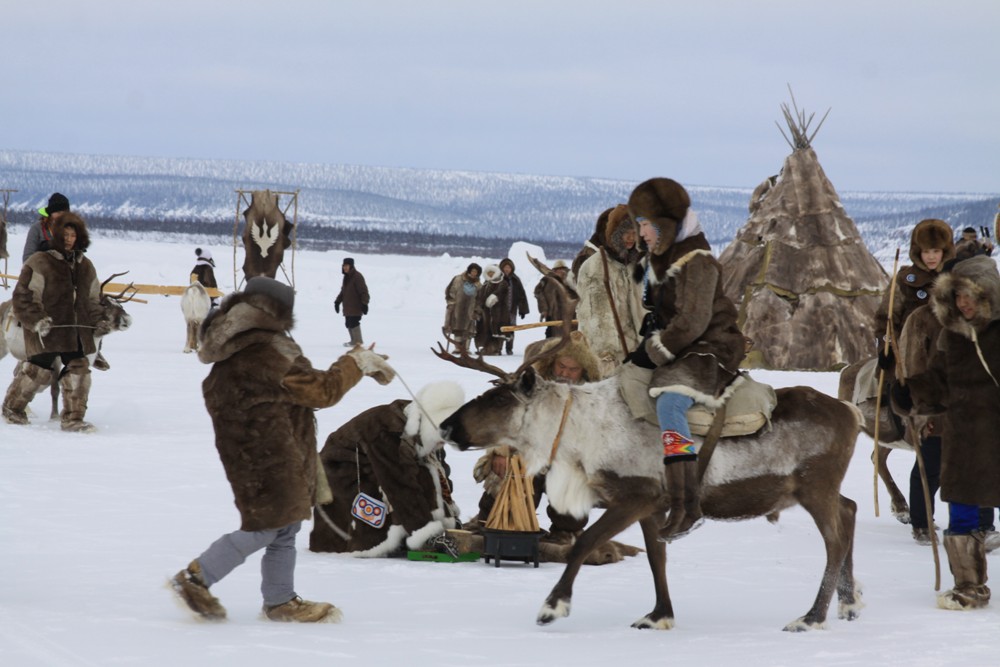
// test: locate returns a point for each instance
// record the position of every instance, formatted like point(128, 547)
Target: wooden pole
point(881, 372)
point(533, 325)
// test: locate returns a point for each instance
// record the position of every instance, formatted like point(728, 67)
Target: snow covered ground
point(91, 526)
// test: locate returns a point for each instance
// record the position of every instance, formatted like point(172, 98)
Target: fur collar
point(243, 320)
point(976, 277)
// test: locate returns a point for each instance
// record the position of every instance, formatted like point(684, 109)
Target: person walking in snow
point(961, 381)
point(554, 296)
point(462, 308)
point(261, 394)
point(494, 309)
point(517, 298)
point(57, 302)
point(354, 298)
point(931, 247)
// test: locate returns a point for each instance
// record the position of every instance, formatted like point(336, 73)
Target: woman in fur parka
point(261, 395)
point(395, 454)
point(611, 323)
point(931, 247)
point(963, 381)
point(494, 306)
point(517, 298)
point(462, 306)
point(691, 338)
point(57, 303)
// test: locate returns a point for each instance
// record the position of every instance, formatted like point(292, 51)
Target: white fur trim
point(658, 345)
point(393, 539)
point(491, 300)
point(689, 226)
point(439, 400)
point(699, 397)
point(421, 535)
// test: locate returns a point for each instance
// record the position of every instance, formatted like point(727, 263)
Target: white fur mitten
point(491, 300)
point(373, 365)
point(43, 326)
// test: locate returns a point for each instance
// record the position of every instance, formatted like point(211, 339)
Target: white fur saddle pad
point(748, 406)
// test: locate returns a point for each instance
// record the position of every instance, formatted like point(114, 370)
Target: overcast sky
point(624, 90)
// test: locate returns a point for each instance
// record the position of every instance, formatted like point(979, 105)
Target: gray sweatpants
point(277, 565)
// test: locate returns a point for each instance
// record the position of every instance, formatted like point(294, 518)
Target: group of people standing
point(475, 310)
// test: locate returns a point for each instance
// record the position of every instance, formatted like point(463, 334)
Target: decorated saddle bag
point(370, 510)
point(748, 407)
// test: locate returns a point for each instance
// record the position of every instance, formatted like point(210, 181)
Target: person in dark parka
point(354, 298)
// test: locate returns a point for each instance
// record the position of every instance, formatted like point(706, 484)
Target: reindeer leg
point(828, 513)
point(900, 508)
point(662, 616)
point(620, 515)
point(848, 589)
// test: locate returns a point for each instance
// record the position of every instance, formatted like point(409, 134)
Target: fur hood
point(665, 203)
point(242, 320)
point(927, 235)
point(619, 222)
point(57, 226)
point(977, 277)
point(438, 400)
point(578, 349)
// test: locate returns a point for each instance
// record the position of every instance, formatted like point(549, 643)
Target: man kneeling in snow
point(390, 482)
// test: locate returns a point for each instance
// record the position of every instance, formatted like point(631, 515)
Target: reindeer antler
point(476, 363)
point(120, 297)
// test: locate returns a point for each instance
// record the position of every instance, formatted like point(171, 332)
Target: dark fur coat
point(261, 393)
point(963, 379)
point(371, 451)
point(62, 287)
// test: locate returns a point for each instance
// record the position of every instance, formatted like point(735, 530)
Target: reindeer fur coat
point(376, 453)
point(62, 287)
point(964, 373)
point(696, 346)
point(260, 394)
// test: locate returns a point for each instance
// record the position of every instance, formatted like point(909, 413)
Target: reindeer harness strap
point(711, 440)
point(562, 425)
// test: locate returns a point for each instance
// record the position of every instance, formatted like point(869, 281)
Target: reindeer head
point(493, 417)
point(112, 308)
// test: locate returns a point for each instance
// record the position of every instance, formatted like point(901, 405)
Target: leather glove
point(336, 305)
point(491, 300)
point(901, 396)
point(373, 365)
point(886, 362)
point(364, 309)
point(43, 326)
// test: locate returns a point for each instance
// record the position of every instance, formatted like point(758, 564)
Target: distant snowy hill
point(377, 203)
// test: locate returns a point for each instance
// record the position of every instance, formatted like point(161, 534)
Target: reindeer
point(891, 435)
point(195, 305)
point(606, 456)
point(112, 310)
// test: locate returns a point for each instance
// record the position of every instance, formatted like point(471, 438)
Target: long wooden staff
point(533, 325)
point(881, 371)
point(917, 447)
point(611, 302)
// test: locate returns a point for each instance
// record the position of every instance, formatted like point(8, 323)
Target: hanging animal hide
point(266, 234)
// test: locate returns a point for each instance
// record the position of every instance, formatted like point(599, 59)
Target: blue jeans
point(962, 519)
point(671, 411)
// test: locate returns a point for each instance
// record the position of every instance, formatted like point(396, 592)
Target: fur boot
point(75, 387)
point(967, 560)
point(30, 380)
point(683, 487)
point(298, 610)
point(190, 588)
point(355, 337)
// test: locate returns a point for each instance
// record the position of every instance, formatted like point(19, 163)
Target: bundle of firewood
point(514, 508)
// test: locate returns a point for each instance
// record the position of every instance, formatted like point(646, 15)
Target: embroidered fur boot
point(683, 487)
point(30, 380)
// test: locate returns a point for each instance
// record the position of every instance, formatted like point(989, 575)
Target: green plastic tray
point(436, 557)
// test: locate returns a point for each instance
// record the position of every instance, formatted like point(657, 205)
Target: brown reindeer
point(112, 310)
point(607, 457)
point(891, 434)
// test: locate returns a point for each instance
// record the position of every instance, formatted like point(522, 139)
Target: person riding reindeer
point(691, 339)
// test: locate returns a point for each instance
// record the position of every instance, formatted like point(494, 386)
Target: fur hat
point(664, 202)
point(349, 261)
point(271, 288)
point(57, 202)
point(559, 264)
point(473, 265)
point(507, 261)
point(976, 277)
point(76, 222)
point(928, 235)
point(492, 273)
point(578, 349)
point(614, 232)
point(439, 400)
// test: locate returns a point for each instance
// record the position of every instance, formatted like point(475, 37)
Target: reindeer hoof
point(647, 623)
point(851, 611)
point(802, 625)
point(902, 515)
point(187, 350)
point(550, 612)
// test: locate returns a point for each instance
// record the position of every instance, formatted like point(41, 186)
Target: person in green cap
point(40, 234)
